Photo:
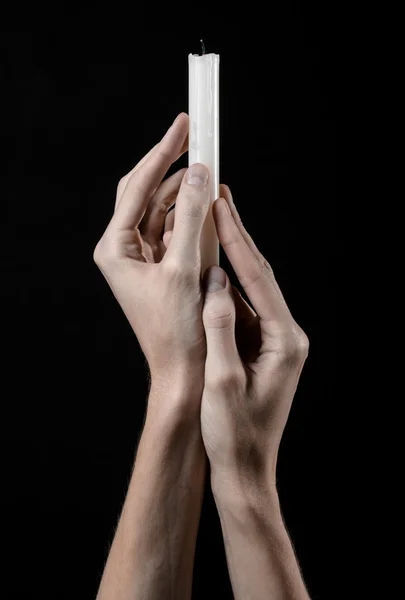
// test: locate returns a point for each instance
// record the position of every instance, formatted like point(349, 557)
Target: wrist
point(252, 512)
point(175, 442)
point(248, 474)
point(240, 492)
point(180, 376)
point(175, 400)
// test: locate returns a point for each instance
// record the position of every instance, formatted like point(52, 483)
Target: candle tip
point(202, 47)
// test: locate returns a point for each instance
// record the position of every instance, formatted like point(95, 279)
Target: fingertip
point(215, 210)
point(225, 191)
point(184, 147)
point(181, 118)
point(179, 128)
point(223, 218)
point(178, 176)
point(221, 205)
point(167, 236)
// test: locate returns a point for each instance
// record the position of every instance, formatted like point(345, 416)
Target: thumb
point(192, 206)
point(219, 323)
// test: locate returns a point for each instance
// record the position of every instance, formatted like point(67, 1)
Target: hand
point(159, 290)
point(254, 360)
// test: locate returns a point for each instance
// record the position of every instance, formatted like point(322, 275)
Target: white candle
point(204, 139)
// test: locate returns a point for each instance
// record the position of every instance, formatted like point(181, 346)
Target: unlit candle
point(204, 139)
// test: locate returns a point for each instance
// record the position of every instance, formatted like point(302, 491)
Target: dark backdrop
point(81, 108)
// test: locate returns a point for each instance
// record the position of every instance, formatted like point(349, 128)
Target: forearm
point(260, 556)
point(152, 553)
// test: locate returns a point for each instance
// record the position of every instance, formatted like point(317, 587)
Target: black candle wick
point(202, 47)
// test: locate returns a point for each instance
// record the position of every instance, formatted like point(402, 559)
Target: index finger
point(226, 193)
point(254, 273)
point(143, 182)
point(123, 182)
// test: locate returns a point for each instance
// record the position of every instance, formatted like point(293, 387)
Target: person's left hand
point(159, 290)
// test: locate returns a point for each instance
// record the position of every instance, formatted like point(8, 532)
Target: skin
point(159, 290)
point(223, 376)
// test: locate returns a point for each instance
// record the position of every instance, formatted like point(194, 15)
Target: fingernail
point(197, 175)
point(215, 279)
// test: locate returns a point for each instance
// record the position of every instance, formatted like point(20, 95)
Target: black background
point(81, 108)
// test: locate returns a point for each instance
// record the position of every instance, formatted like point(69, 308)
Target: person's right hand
point(254, 360)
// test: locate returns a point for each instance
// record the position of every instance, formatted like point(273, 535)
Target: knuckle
point(164, 153)
point(97, 254)
point(179, 272)
point(162, 207)
point(133, 183)
point(218, 319)
point(293, 346)
point(193, 208)
point(227, 379)
point(287, 352)
point(228, 239)
point(265, 266)
point(194, 201)
point(303, 342)
point(261, 270)
point(122, 183)
point(137, 187)
point(105, 251)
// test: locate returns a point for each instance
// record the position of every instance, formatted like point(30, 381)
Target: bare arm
point(259, 553)
point(160, 293)
point(254, 361)
point(152, 553)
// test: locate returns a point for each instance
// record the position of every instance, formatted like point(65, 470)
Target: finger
point(244, 312)
point(153, 222)
point(169, 222)
point(225, 192)
point(167, 236)
point(123, 182)
point(252, 270)
point(192, 206)
point(144, 181)
point(218, 317)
